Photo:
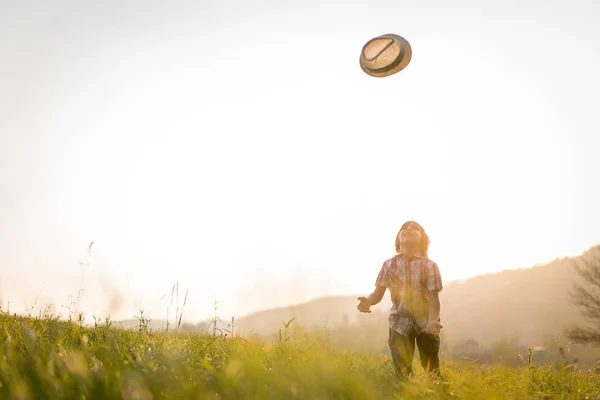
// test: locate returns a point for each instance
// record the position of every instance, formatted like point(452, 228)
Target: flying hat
point(385, 55)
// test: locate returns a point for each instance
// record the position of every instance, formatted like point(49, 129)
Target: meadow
point(47, 358)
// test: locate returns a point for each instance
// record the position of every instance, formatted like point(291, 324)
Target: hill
point(529, 303)
point(528, 306)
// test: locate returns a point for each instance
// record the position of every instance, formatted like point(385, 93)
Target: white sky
point(238, 148)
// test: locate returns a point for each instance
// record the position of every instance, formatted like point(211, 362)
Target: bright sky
point(238, 148)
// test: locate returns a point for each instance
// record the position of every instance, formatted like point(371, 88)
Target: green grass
point(44, 358)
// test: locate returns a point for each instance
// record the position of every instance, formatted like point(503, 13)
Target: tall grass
point(45, 358)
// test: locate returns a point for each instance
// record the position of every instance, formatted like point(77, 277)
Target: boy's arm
point(380, 287)
point(434, 286)
point(377, 295)
point(434, 306)
point(434, 325)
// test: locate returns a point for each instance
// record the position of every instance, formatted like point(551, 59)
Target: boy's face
point(410, 234)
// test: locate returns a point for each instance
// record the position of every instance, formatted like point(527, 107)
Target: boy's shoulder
point(389, 261)
point(430, 261)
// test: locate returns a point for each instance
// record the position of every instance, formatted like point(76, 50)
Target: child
point(414, 282)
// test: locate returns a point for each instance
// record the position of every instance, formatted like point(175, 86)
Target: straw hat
point(385, 55)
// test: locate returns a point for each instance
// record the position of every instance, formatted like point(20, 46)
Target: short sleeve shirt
point(409, 283)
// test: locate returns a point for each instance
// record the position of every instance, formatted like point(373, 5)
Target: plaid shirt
point(408, 283)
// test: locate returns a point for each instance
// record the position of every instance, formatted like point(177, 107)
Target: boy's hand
point(364, 305)
point(433, 328)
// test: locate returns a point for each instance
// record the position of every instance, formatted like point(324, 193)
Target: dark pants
point(403, 349)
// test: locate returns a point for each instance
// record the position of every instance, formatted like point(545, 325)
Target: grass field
point(44, 358)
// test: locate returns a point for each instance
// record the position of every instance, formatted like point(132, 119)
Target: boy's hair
point(424, 247)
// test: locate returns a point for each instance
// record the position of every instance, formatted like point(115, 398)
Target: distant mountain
point(490, 317)
point(530, 305)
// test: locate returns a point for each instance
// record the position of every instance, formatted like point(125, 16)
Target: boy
point(414, 282)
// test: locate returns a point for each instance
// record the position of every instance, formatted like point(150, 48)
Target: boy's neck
point(409, 251)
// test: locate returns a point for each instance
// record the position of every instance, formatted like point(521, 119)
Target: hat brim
point(398, 64)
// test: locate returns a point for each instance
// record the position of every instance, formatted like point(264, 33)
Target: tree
point(586, 295)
